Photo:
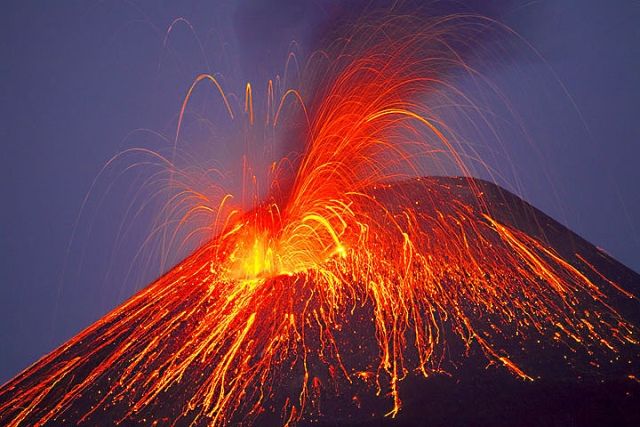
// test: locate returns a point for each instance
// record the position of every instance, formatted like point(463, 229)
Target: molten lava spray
point(335, 256)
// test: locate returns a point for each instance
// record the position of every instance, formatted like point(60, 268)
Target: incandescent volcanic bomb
point(152, 360)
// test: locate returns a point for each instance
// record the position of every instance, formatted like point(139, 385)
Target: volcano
point(115, 371)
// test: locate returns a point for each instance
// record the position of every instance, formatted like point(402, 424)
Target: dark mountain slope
point(78, 383)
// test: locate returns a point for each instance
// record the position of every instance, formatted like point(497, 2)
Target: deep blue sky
point(78, 77)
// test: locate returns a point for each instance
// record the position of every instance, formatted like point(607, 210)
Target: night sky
point(79, 79)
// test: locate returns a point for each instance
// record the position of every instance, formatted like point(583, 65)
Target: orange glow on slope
point(273, 290)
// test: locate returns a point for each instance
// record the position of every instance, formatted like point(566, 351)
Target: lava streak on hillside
point(350, 277)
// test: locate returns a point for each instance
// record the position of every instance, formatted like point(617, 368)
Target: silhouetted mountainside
point(69, 386)
point(560, 395)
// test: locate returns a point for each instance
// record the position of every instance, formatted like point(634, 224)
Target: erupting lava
point(280, 306)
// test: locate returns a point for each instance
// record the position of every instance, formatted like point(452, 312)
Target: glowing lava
point(283, 291)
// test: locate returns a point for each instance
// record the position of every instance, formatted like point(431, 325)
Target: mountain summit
point(542, 337)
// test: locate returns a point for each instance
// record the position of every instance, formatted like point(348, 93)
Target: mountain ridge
point(459, 382)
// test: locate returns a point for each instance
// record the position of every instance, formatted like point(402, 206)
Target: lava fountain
point(339, 252)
